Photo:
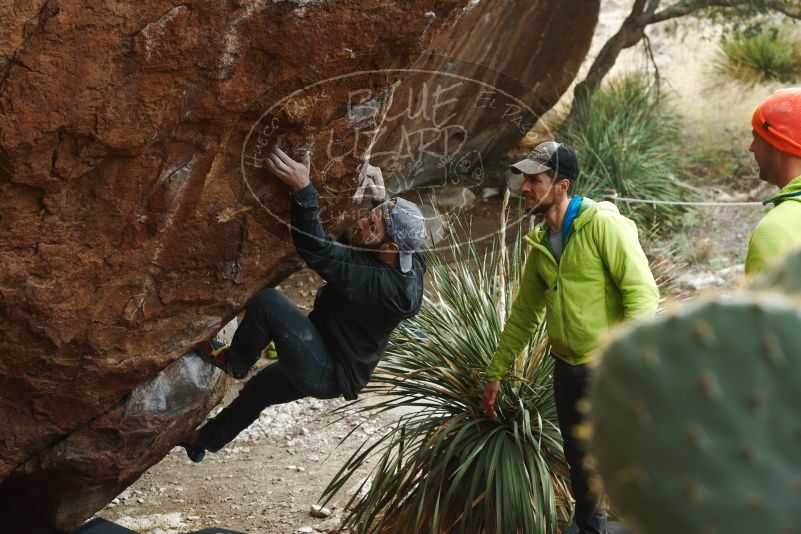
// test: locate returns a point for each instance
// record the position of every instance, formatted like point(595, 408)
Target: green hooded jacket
point(602, 279)
point(778, 231)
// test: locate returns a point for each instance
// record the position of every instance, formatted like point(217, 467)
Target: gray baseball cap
point(549, 156)
point(406, 227)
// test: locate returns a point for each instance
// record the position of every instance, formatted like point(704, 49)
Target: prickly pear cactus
point(696, 419)
point(785, 277)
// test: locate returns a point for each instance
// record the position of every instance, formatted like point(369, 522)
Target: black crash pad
point(101, 526)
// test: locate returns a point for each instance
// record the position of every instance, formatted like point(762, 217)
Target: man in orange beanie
point(777, 149)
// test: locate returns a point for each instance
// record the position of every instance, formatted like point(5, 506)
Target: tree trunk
point(629, 34)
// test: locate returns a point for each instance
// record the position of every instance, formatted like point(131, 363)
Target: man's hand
point(371, 185)
point(490, 394)
point(293, 173)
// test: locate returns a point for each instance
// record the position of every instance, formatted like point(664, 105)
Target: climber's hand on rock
point(371, 184)
point(293, 173)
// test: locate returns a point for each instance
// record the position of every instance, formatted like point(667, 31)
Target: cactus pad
point(696, 419)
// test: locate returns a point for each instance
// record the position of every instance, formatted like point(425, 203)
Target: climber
point(776, 124)
point(373, 283)
point(585, 271)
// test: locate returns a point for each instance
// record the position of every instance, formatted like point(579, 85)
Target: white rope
point(615, 198)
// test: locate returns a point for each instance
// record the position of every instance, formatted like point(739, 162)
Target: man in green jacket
point(776, 147)
point(585, 272)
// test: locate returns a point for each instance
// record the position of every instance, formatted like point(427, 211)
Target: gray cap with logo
point(549, 156)
point(406, 227)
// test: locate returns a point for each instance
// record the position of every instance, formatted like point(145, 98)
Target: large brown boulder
point(128, 232)
point(480, 87)
point(94, 463)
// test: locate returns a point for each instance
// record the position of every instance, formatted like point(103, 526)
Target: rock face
point(137, 218)
point(93, 464)
point(480, 87)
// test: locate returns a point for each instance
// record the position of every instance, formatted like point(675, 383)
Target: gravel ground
point(264, 482)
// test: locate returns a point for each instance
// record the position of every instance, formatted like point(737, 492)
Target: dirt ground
point(263, 482)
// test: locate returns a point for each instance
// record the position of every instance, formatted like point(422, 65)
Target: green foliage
point(694, 415)
point(444, 466)
point(628, 140)
point(760, 55)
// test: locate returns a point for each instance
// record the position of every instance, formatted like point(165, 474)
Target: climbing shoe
point(270, 351)
point(215, 352)
point(195, 451)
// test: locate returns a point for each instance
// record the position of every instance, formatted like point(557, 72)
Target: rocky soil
point(266, 481)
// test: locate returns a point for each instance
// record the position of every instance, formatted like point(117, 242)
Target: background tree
point(647, 12)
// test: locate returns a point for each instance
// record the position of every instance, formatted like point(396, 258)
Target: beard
point(766, 174)
point(353, 237)
point(543, 207)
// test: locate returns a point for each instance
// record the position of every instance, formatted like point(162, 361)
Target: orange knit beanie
point(778, 120)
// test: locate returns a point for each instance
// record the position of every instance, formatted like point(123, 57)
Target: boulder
point(138, 218)
point(480, 87)
point(453, 198)
point(95, 463)
point(700, 280)
point(513, 183)
point(490, 192)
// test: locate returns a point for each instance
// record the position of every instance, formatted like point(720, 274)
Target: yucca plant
point(443, 465)
point(628, 140)
point(769, 54)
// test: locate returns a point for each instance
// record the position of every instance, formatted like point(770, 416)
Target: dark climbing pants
point(570, 384)
point(304, 367)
